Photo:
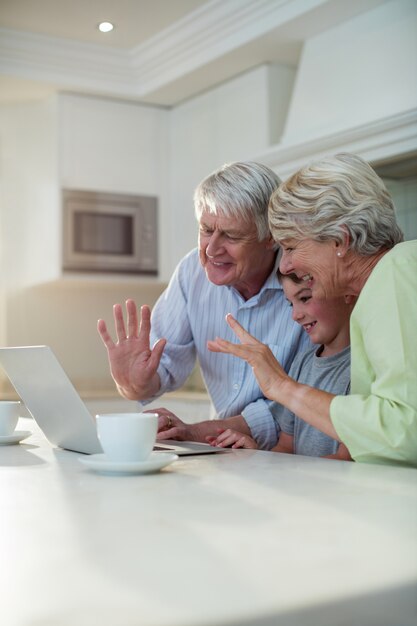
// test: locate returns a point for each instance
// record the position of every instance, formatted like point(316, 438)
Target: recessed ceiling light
point(105, 27)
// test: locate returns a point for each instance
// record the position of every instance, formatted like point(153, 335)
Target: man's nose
point(213, 245)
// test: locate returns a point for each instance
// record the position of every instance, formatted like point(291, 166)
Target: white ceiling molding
point(207, 34)
point(378, 141)
point(200, 37)
point(64, 62)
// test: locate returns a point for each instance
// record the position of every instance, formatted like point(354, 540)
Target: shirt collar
point(272, 281)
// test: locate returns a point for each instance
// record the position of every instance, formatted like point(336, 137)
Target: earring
point(339, 253)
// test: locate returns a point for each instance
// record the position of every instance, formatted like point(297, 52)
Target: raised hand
point(269, 373)
point(310, 404)
point(133, 363)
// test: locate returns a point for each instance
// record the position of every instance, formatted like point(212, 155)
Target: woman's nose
point(285, 266)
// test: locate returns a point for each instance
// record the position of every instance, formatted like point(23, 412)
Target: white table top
point(242, 537)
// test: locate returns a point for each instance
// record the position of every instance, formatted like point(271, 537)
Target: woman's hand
point(231, 439)
point(309, 404)
point(269, 373)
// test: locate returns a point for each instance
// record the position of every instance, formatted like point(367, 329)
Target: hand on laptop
point(231, 438)
point(171, 427)
point(133, 364)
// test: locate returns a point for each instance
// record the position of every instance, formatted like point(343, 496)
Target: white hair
point(239, 190)
point(330, 197)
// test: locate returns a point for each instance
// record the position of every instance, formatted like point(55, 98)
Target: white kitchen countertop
point(241, 537)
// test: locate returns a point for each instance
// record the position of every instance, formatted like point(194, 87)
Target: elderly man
point(233, 271)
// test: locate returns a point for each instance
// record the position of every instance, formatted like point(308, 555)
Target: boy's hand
point(232, 439)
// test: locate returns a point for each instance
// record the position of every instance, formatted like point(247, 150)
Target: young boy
point(326, 367)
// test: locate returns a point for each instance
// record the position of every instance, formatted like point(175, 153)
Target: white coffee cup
point(127, 436)
point(9, 415)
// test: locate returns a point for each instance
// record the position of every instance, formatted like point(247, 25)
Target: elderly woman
point(335, 222)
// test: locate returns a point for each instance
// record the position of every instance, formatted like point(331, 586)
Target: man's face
point(232, 255)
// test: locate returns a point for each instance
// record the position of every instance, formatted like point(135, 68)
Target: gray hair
point(330, 197)
point(238, 190)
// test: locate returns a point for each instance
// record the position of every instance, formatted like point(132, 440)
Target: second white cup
point(9, 415)
point(127, 437)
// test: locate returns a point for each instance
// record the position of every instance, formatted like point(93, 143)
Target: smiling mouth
point(309, 327)
point(217, 263)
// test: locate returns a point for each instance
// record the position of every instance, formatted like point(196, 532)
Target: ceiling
point(134, 20)
point(160, 51)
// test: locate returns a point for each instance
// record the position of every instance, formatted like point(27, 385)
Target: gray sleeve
point(283, 416)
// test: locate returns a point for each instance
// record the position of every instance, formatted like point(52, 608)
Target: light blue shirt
point(192, 310)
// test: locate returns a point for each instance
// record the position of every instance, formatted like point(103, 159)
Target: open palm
point(133, 363)
point(269, 373)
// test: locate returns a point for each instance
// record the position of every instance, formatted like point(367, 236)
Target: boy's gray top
point(330, 374)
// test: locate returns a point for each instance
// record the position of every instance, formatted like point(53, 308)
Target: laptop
point(53, 402)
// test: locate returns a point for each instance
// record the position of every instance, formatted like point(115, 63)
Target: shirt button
point(235, 386)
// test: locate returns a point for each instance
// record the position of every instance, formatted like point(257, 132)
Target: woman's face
point(317, 263)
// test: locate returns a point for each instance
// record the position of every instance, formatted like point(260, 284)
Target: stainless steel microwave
point(108, 232)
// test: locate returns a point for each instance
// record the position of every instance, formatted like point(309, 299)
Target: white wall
point(228, 123)
point(29, 192)
point(112, 145)
point(404, 195)
point(361, 71)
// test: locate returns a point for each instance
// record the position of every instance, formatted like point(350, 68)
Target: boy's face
point(323, 320)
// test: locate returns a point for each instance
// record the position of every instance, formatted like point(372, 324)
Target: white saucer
point(156, 461)
point(15, 437)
